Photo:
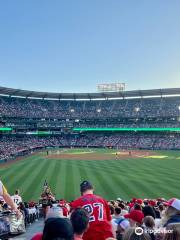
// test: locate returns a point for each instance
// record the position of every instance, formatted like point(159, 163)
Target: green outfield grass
point(143, 177)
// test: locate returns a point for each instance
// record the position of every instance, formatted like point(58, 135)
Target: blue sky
point(73, 45)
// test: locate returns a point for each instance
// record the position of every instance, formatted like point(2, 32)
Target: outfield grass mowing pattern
point(126, 178)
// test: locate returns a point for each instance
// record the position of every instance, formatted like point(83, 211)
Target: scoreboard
point(111, 87)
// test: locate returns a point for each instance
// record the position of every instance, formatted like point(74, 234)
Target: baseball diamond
point(89, 120)
point(143, 174)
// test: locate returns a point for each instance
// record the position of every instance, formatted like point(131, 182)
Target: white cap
point(125, 224)
point(54, 212)
point(174, 202)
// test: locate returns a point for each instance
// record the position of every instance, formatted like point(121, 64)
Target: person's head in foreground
point(149, 211)
point(122, 225)
point(80, 222)
point(173, 232)
point(135, 217)
point(57, 229)
point(149, 222)
point(131, 234)
point(172, 213)
point(137, 207)
point(86, 188)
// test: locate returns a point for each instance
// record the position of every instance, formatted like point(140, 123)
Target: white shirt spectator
point(17, 199)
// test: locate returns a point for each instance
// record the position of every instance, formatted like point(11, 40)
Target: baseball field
point(114, 173)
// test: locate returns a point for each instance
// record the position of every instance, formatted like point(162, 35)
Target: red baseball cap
point(131, 205)
point(152, 203)
point(173, 202)
point(135, 215)
point(139, 201)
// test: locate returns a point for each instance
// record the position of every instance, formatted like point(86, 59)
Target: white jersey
point(16, 199)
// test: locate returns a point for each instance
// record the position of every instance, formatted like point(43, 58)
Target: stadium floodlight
point(137, 109)
point(98, 110)
point(72, 110)
point(179, 107)
point(77, 120)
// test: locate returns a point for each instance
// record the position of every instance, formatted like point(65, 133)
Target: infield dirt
point(101, 156)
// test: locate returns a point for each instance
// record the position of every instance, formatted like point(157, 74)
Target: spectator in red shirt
point(80, 222)
point(99, 213)
point(62, 204)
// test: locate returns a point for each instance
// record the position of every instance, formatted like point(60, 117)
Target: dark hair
point(111, 209)
point(117, 210)
point(112, 202)
point(149, 222)
point(149, 211)
point(137, 207)
point(57, 229)
point(145, 203)
point(21, 206)
point(26, 205)
point(85, 185)
point(161, 207)
point(121, 205)
point(17, 192)
point(79, 219)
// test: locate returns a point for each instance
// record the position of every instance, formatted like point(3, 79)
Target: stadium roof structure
point(88, 96)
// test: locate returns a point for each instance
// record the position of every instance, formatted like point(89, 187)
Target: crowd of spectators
point(25, 114)
point(140, 108)
point(90, 217)
point(12, 145)
point(146, 219)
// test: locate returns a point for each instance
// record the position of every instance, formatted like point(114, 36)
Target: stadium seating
point(127, 108)
point(25, 116)
point(16, 146)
